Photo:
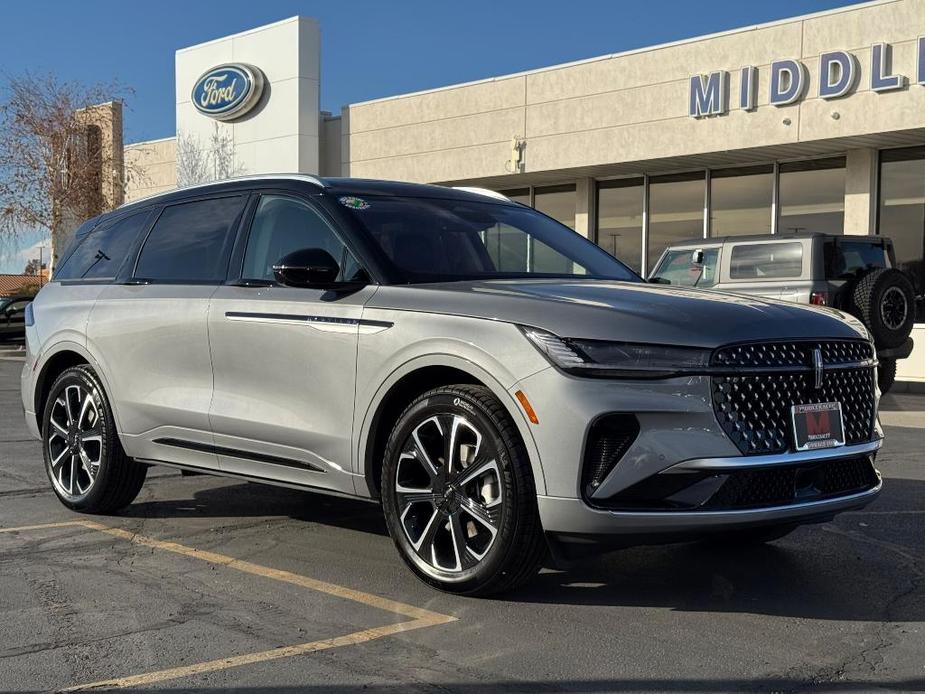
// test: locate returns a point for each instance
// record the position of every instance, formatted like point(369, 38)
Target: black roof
point(331, 186)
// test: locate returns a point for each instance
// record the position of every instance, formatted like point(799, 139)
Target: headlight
point(618, 359)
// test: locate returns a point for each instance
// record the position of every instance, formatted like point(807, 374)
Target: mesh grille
point(754, 410)
point(786, 485)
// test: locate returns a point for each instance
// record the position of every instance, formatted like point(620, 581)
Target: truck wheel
point(458, 493)
point(86, 465)
point(884, 300)
point(886, 374)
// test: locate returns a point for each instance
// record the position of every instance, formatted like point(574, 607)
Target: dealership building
point(810, 123)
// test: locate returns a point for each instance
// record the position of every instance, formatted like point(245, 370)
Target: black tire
point(752, 536)
point(886, 374)
point(517, 546)
point(116, 479)
point(884, 300)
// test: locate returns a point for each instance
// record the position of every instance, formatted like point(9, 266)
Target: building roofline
point(246, 32)
point(633, 51)
point(149, 142)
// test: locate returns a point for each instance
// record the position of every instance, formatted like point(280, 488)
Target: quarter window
point(190, 242)
point(103, 251)
point(766, 261)
point(283, 225)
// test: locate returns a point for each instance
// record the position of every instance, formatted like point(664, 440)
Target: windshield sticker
point(354, 203)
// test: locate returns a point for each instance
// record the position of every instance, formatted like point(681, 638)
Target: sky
point(369, 48)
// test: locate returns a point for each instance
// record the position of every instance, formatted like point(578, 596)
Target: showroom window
point(902, 213)
point(812, 196)
point(557, 202)
point(675, 211)
point(619, 219)
point(740, 200)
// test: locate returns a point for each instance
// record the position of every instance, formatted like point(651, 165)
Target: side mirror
point(313, 268)
point(658, 280)
point(697, 257)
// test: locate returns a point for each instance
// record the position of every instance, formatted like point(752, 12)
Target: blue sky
point(369, 49)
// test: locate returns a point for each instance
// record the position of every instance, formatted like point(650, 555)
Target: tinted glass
point(846, 259)
point(812, 196)
point(102, 252)
point(619, 220)
point(189, 242)
point(433, 240)
point(740, 201)
point(283, 225)
point(679, 267)
point(766, 261)
point(902, 215)
point(675, 211)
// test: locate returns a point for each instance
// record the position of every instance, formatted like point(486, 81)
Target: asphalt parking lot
point(209, 585)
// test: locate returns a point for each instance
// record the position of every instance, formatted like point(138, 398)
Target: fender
point(505, 397)
point(86, 353)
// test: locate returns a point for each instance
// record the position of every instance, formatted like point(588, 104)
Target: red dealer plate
point(818, 426)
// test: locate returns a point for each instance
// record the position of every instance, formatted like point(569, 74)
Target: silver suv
point(500, 384)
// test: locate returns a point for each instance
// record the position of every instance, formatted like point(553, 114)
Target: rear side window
point(846, 259)
point(762, 261)
point(102, 252)
point(190, 242)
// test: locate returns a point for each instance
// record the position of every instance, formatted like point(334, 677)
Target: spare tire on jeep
point(884, 300)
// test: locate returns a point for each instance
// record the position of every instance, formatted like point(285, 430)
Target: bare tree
point(58, 161)
point(202, 162)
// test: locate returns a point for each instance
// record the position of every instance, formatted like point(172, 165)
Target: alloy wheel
point(75, 442)
point(894, 308)
point(449, 493)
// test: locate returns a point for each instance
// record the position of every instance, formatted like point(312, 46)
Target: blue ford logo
point(228, 92)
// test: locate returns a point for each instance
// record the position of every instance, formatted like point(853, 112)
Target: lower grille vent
point(608, 441)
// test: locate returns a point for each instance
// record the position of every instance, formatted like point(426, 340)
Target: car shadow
point(867, 565)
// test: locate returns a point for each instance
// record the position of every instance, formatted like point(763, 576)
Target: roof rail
point(314, 180)
point(483, 191)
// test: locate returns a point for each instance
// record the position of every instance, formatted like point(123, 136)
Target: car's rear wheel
point(458, 493)
point(88, 469)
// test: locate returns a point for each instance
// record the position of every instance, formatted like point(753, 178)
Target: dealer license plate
point(818, 426)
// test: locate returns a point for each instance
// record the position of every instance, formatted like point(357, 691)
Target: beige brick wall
point(633, 107)
point(151, 167)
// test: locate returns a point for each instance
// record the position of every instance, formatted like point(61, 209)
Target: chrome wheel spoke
point(465, 557)
point(56, 461)
point(448, 492)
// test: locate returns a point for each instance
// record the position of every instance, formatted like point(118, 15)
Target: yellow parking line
point(276, 574)
point(421, 618)
point(24, 528)
point(251, 658)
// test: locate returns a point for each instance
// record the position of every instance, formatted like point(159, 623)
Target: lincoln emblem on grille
point(818, 369)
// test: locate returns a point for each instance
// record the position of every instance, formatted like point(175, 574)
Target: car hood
point(624, 311)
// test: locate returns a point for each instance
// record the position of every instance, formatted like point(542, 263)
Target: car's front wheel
point(458, 493)
point(84, 459)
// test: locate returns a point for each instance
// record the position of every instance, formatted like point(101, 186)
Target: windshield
point(435, 240)
point(689, 268)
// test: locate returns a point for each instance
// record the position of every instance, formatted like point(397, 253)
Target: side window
point(681, 268)
point(761, 261)
point(283, 225)
point(17, 307)
point(847, 259)
point(102, 252)
point(190, 241)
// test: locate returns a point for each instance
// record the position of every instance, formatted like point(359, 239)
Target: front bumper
point(562, 516)
point(678, 432)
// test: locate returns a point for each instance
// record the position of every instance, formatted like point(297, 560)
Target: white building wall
point(282, 132)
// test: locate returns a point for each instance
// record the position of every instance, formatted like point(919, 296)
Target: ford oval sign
point(228, 92)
